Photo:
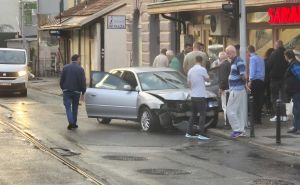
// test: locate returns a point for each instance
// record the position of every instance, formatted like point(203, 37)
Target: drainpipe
point(176, 20)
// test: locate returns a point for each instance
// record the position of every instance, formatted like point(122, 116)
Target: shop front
point(271, 23)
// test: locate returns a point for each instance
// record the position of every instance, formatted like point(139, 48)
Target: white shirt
point(196, 77)
point(161, 60)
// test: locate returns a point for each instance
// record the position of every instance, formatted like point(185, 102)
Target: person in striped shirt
point(237, 101)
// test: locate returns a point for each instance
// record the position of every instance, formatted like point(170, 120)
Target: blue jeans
point(71, 102)
point(296, 111)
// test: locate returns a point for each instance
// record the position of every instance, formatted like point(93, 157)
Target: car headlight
point(22, 73)
point(213, 104)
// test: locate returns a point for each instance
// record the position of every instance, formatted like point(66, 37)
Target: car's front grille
point(8, 74)
point(179, 106)
point(11, 78)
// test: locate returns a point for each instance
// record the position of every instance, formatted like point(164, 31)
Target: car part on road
point(148, 120)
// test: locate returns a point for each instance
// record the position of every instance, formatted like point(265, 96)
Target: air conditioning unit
point(220, 25)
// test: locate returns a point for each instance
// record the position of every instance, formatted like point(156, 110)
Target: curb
point(248, 140)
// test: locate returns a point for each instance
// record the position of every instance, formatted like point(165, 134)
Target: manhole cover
point(282, 136)
point(162, 171)
point(124, 158)
point(271, 182)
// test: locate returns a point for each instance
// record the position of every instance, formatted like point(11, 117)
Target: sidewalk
point(265, 134)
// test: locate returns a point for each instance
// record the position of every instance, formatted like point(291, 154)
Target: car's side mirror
point(127, 87)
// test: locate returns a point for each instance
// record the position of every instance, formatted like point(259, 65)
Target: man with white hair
point(237, 102)
point(161, 60)
point(174, 62)
point(222, 57)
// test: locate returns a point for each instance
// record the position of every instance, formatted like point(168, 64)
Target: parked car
point(13, 70)
point(155, 97)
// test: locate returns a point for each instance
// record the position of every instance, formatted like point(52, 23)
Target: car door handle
point(93, 95)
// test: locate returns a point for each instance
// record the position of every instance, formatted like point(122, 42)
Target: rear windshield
point(12, 57)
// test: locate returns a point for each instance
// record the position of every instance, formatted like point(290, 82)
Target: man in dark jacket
point(292, 79)
point(224, 71)
point(72, 83)
point(278, 66)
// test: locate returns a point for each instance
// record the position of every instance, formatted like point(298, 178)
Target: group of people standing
point(276, 76)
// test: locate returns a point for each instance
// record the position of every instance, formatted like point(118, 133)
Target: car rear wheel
point(104, 121)
point(148, 120)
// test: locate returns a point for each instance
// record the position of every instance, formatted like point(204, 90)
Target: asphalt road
point(120, 153)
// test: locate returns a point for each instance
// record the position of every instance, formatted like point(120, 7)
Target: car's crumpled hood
point(176, 94)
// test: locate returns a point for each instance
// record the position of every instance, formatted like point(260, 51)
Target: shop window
point(290, 37)
point(261, 39)
point(257, 17)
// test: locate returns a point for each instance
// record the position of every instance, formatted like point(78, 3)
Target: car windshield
point(12, 57)
point(159, 80)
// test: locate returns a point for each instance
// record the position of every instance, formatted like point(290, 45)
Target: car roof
point(145, 69)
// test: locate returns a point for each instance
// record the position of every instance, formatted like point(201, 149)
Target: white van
point(13, 71)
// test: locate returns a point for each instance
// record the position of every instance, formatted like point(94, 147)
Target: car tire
point(104, 121)
point(148, 120)
point(24, 93)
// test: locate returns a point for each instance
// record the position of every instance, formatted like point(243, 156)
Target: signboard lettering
point(284, 15)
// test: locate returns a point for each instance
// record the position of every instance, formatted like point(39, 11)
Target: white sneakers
point(282, 118)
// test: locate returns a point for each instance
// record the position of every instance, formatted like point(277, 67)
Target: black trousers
point(198, 106)
point(277, 91)
point(257, 91)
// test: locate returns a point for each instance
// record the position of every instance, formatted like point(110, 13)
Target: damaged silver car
point(155, 97)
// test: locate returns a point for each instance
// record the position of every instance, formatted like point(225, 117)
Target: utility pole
point(243, 41)
point(22, 23)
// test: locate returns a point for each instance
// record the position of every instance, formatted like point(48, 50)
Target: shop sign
point(284, 15)
point(116, 22)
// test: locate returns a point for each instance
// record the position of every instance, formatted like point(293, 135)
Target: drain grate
point(271, 182)
point(124, 158)
point(282, 136)
point(162, 171)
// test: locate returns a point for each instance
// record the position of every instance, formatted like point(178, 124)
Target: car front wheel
point(104, 121)
point(148, 120)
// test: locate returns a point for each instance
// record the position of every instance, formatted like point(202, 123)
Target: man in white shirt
point(196, 77)
point(161, 60)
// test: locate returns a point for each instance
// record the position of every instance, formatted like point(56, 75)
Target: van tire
point(24, 93)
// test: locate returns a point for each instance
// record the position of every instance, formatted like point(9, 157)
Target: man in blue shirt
point(72, 83)
point(237, 101)
point(256, 83)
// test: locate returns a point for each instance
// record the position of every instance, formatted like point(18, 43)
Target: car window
point(111, 82)
point(117, 73)
point(160, 80)
point(96, 77)
point(130, 79)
